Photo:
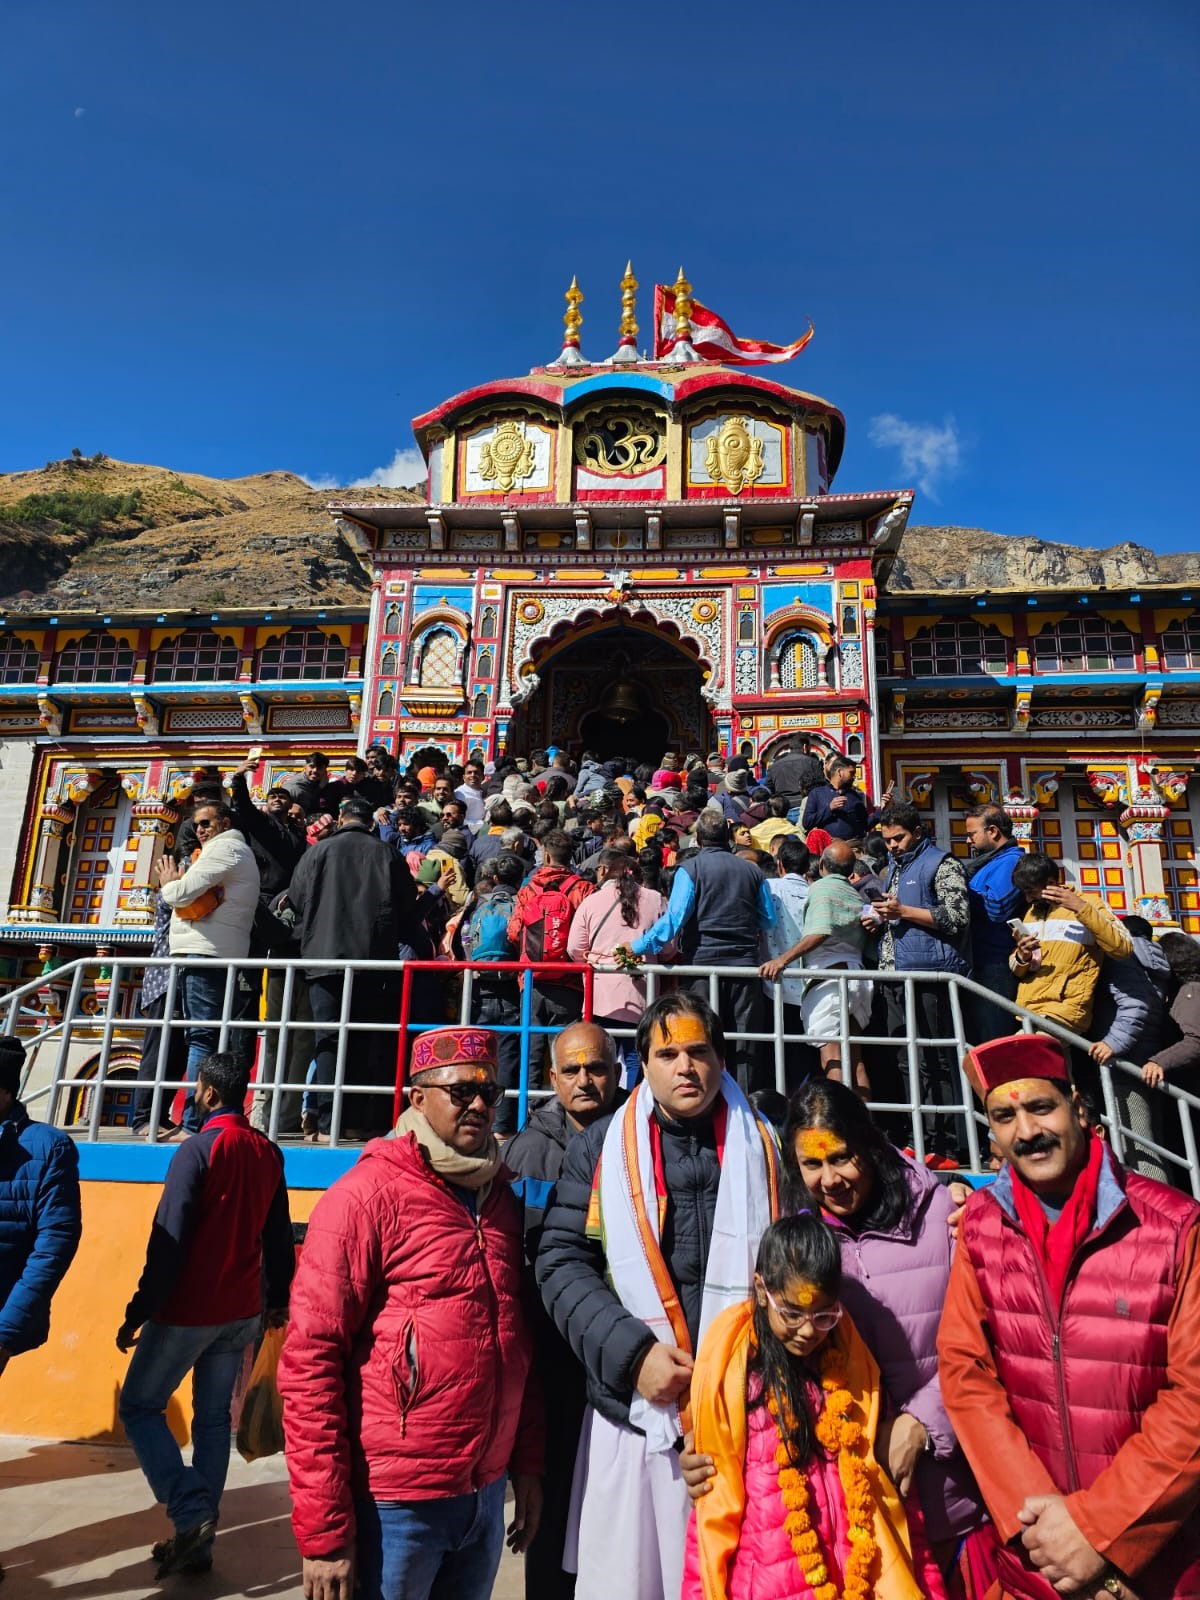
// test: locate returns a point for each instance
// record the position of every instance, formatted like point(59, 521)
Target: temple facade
point(630, 556)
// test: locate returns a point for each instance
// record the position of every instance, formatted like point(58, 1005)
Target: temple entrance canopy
point(618, 686)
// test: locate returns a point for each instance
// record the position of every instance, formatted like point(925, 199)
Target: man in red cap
point(406, 1377)
point(1069, 1351)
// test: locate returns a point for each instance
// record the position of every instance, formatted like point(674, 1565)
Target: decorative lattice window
point(95, 879)
point(1180, 644)
point(957, 649)
point(18, 659)
point(798, 664)
point(96, 658)
point(198, 656)
point(438, 659)
point(1085, 644)
point(302, 653)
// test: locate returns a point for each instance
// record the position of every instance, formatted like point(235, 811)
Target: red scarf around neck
point(1057, 1245)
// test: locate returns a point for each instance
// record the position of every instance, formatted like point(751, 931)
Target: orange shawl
point(719, 1419)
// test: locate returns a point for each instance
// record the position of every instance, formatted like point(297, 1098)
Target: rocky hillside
point(89, 534)
point(931, 560)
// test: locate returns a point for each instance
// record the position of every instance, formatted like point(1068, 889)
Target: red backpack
point(546, 922)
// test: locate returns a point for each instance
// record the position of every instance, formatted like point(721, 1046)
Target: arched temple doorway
point(618, 686)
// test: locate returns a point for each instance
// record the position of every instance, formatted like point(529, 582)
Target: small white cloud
point(405, 469)
point(928, 453)
point(80, 111)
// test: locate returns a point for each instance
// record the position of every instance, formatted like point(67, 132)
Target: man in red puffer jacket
point(406, 1377)
point(1069, 1348)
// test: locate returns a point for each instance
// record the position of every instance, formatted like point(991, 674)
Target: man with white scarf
point(652, 1231)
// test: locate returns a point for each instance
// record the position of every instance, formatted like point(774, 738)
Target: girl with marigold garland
point(786, 1399)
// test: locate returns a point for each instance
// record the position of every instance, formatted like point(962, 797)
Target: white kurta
point(629, 1539)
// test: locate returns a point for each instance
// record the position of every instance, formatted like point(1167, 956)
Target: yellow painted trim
point(66, 636)
point(564, 466)
point(674, 474)
point(1174, 619)
point(653, 574)
point(445, 574)
point(1128, 619)
point(804, 569)
point(237, 636)
point(1002, 622)
point(725, 572)
point(1038, 621)
point(513, 574)
point(913, 626)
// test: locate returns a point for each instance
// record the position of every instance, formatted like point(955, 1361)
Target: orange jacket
point(1133, 1511)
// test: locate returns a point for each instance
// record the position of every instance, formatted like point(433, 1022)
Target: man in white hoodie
point(212, 910)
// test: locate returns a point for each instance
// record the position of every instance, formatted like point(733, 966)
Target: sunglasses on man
point(466, 1094)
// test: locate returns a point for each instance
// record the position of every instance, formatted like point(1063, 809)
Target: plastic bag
point(260, 1430)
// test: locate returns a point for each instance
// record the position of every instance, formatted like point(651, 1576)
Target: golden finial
point(683, 308)
point(573, 320)
point(629, 284)
point(570, 355)
point(627, 348)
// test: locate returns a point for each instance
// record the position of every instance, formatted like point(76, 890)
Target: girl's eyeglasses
point(796, 1316)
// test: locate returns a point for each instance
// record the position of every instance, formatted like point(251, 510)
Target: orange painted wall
point(68, 1389)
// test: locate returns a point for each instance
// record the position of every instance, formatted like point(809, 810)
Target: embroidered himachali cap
point(451, 1047)
point(1017, 1055)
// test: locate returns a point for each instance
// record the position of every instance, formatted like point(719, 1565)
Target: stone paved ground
point(77, 1523)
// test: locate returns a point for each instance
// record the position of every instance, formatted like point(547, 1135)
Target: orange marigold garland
point(842, 1437)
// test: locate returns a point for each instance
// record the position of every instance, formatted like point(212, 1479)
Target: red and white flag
point(712, 337)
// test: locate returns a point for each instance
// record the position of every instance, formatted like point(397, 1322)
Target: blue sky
point(249, 236)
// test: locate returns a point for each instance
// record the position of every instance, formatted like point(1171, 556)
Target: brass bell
point(622, 703)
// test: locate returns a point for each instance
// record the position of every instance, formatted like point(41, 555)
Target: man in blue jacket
point(993, 900)
point(39, 1214)
point(837, 806)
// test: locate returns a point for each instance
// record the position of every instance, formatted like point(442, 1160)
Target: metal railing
point(104, 1030)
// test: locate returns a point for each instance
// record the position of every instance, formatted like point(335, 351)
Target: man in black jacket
point(278, 846)
point(793, 773)
point(583, 1074)
point(355, 900)
point(692, 1109)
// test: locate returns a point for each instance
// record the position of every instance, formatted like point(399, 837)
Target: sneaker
point(184, 1546)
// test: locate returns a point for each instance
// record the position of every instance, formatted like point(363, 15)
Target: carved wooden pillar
point(153, 833)
point(1143, 825)
point(44, 897)
point(1023, 814)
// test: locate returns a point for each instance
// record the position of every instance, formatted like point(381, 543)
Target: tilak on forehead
point(582, 1055)
point(817, 1144)
point(457, 1073)
point(681, 1030)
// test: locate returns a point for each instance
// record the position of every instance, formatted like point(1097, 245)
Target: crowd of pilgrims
point(599, 861)
point(866, 1412)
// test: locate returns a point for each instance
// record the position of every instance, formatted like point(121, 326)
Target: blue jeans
point(162, 1358)
point(431, 1549)
point(985, 1021)
point(203, 1002)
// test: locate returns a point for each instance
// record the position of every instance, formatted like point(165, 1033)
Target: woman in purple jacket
point(891, 1220)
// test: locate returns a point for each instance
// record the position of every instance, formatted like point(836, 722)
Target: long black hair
point(825, 1103)
point(800, 1247)
point(628, 881)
